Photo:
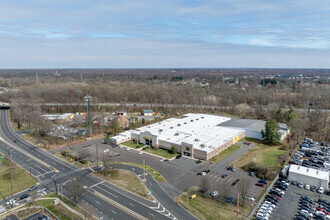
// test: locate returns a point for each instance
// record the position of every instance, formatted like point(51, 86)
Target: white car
point(320, 190)
point(41, 190)
point(203, 173)
point(214, 193)
point(307, 186)
point(121, 146)
point(128, 148)
point(106, 150)
point(250, 198)
point(11, 201)
point(140, 152)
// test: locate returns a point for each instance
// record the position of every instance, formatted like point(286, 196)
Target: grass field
point(60, 211)
point(127, 180)
point(161, 152)
point(132, 144)
point(21, 179)
point(263, 154)
point(210, 209)
point(225, 153)
point(158, 177)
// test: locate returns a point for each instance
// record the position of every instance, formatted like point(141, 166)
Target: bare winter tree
point(225, 190)
point(243, 188)
point(107, 164)
point(75, 189)
point(205, 184)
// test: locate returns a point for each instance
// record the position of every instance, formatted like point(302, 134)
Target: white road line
point(107, 192)
point(113, 211)
point(97, 202)
point(96, 184)
point(150, 214)
point(131, 204)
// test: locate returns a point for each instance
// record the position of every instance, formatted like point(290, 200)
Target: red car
point(260, 184)
point(279, 198)
point(249, 143)
point(320, 209)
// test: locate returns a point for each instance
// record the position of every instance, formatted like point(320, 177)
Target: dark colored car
point(229, 199)
point(262, 181)
point(224, 175)
point(177, 157)
point(252, 174)
point(24, 196)
point(229, 168)
point(33, 187)
point(294, 183)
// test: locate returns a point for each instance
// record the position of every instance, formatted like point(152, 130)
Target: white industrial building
point(254, 127)
point(309, 176)
point(193, 135)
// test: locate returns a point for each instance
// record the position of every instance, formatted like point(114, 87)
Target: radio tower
point(88, 100)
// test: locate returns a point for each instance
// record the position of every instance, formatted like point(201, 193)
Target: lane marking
point(96, 184)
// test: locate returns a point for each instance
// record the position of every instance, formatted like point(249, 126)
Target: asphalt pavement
point(106, 201)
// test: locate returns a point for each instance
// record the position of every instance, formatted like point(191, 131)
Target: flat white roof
point(200, 130)
point(319, 174)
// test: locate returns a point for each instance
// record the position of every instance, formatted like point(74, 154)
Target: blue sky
point(171, 33)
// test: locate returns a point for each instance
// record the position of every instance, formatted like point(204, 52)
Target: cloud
point(194, 32)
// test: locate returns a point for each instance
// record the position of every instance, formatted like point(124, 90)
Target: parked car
point(234, 169)
point(301, 185)
point(250, 198)
point(224, 175)
point(229, 168)
point(214, 193)
point(307, 186)
point(229, 199)
point(140, 152)
point(252, 174)
point(260, 184)
point(262, 181)
point(320, 190)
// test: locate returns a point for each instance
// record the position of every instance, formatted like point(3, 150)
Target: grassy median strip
point(158, 177)
point(206, 208)
point(160, 152)
point(132, 144)
point(127, 180)
point(21, 179)
point(225, 153)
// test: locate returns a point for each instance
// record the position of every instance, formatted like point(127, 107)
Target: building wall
point(200, 154)
point(148, 135)
point(313, 181)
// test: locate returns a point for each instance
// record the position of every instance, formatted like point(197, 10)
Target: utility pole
point(237, 206)
point(88, 100)
point(97, 156)
point(11, 177)
point(144, 178)
point(55, 184)
point(187, 199)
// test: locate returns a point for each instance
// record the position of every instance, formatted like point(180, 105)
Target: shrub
point(198, 161)
point(173, 150)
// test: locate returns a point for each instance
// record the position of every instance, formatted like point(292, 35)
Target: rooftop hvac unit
point(179, 124)
point(202, 145)
point(176, 134)
point(185, 123)
point(191, 120)
point(197, 140)
point(171, 127)
point(160, 130)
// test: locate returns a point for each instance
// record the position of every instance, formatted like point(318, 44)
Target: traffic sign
point(149, 192)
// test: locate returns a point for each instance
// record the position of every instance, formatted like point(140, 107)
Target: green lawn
point(127, 180)
point(21, 179)
point(263, 154)
point(205, 208)
point(158, 177)
point(132, 144)
point(160, 152)
point(225, 153)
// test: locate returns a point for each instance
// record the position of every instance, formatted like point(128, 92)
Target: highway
point(107, 200)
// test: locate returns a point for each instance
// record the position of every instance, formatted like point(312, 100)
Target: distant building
point(59, 118)
point(310, 176)
point(193, 135)
point(122, 112)
point(148, 112)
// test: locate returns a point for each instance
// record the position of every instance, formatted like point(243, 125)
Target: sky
point(164, 34)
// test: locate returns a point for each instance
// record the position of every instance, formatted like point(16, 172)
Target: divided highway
point(108, 200)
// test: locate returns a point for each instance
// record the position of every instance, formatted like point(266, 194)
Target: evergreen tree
point(115, 127)
point(271, 134)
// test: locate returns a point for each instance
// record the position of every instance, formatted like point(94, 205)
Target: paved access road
point(107, 200)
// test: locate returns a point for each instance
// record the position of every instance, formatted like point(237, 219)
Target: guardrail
point(262, 198)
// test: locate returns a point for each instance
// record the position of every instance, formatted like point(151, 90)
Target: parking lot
point(181, 173)
point(287, 208)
